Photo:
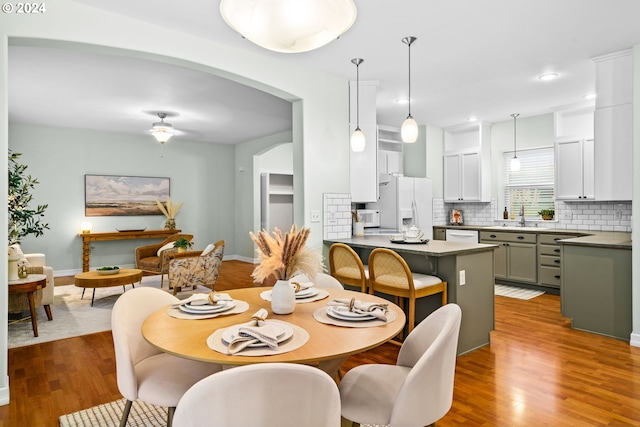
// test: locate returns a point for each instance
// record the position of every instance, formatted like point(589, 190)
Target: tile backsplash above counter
point(592, 216)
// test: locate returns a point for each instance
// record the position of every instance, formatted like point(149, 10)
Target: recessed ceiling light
point(473, 119)
point(547, 76)
point(589, 96)
point(402, 101)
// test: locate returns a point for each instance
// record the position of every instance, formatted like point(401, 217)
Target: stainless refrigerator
point(406, 201)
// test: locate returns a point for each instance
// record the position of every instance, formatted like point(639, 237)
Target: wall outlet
point(567, 215)
point(463, 277)
point(315, 216)
point(618, 214)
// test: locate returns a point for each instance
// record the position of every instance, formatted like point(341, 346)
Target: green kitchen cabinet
point(515, 257)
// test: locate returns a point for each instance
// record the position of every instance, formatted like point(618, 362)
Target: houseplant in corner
point(547, 214)
point(182, 244)
point(284, 256)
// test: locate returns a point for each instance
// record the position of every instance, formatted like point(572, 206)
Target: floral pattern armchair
point(194, 268)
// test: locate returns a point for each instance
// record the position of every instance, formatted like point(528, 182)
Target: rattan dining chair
point(389, 274)
point(346, 266)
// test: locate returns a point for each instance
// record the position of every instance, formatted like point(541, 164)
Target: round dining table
point(328, 345)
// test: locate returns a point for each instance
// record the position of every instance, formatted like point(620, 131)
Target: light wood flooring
point(537, 371)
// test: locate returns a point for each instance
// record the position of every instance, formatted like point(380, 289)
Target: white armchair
point(44, 297)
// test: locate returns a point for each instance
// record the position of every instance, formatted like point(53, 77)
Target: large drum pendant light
point(357, 137)
point(515, 162)
point(289, 26)
point(409, 129)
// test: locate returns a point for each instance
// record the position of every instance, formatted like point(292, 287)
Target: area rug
point(73, 316)
point(514, 292)
point(109, 414)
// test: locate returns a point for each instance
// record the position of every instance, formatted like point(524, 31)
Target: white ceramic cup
point(397, 237)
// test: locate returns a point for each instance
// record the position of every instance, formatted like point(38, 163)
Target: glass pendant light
point(409, 129)
point(357, 137)
point(515, 162)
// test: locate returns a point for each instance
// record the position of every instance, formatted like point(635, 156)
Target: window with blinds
point(532, 185)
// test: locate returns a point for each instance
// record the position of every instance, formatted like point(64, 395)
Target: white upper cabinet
point(390, 151)
point(574, 170)
point(467, 163)
point(364, 165)
point(613, 145)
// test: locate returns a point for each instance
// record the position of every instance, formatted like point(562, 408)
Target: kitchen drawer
point(551, 239)
point(552, 250)
point(549, 276)
point(552, 261)
point(503, 236)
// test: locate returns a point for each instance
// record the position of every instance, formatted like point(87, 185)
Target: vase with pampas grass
point(170, 210)
point(284, 256)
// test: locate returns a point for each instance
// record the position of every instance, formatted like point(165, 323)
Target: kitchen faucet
point(522, 221)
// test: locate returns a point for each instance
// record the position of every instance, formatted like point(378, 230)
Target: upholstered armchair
point(154, 258)
point(44, 297)
point(193, 268)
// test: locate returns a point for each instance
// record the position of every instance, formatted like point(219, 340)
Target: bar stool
point(346, 266)
point(389, 274)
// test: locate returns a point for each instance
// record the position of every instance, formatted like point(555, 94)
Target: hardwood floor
point(537, 371)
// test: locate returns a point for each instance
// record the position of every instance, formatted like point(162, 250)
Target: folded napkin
point(254, 332)
point(302, 286)
point(378, 310)
point(211, 298)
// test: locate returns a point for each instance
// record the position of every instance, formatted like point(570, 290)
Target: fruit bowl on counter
point(108, 270)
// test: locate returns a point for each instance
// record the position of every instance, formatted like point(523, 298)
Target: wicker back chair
point(389, 274)
point(346, 266)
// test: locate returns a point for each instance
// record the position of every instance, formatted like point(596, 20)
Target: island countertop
point(435, 248)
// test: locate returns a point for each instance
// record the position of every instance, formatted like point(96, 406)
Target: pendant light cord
point(515, 152)
point(358, 95)
point(408, 41)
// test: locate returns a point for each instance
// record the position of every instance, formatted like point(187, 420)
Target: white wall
point(320, 101)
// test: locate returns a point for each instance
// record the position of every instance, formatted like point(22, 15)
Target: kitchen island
point(468, 269)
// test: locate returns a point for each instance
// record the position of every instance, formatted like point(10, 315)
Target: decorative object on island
point(117, 195)
point(358, 225)
point(547, 214)
point(170, 211)
point(22, 220)
point(284, 256)
point(182, 244)
point(515, 162)
point(289, 27)
point(409, 129)
point(357, 137)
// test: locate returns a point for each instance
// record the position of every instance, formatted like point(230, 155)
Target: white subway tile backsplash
point(336, 221)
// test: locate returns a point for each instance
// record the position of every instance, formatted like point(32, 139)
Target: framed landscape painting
point(116, 195)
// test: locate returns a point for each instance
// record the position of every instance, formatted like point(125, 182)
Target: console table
point(119, 235)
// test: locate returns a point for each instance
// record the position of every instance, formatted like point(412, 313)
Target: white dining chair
point(418, 389)
point(263, 394)
point(323, 280)
point(144, 372)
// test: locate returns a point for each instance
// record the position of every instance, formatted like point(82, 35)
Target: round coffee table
point(30, 285)
point(93, 279)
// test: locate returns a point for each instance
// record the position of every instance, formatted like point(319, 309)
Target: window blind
point(532, 185)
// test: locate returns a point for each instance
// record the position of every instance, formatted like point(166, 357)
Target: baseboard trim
point(4, 393)
point(634, 339)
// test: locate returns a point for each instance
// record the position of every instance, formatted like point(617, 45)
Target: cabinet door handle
point(493, 236)
point(555, 239)
point(506, 244)
point(556, 250)
point(557, 276)
point(520, 237)
point(557, 261)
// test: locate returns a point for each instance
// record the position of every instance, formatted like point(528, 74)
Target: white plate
point(343, 313)
point(307, 293)
point(231, 333)
point(207, 308)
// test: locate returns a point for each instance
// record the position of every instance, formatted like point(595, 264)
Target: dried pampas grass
point(285, 255)
point(171, 210)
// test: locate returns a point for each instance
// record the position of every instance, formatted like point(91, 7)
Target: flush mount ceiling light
point(515, 162)
point(289, 26)
point(161, 130)
point(357, 137)
point(409, 129)
point(547, 76)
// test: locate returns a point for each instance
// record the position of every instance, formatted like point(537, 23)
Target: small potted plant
point(547, 214)
point(182, 244)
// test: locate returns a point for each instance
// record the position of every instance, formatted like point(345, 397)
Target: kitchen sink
point(513, 228)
